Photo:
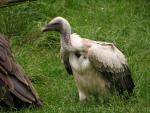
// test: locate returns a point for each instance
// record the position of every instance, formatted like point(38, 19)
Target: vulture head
point(58, 24)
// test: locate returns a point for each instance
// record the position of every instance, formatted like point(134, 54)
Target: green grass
point(126, 23)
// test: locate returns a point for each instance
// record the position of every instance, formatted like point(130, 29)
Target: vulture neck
point(66, 41)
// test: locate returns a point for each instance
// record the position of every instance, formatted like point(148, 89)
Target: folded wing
point(13, 79)
point(111, 63)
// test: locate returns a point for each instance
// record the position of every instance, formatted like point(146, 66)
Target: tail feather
point(22, 91)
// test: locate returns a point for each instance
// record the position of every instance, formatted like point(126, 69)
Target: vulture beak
point(47, 28)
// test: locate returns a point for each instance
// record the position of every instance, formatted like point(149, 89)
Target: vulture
point(99, 68)
point(15, 87)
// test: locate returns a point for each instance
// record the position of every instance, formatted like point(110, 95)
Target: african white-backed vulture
point(98, 67)
point(15, 87)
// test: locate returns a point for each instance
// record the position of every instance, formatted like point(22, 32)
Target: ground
point(126, 23)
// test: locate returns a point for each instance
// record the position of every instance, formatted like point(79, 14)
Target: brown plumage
point(15, 87)
point(7, 3)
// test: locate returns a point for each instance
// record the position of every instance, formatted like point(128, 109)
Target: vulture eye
point(77, 54)
point(55, 24)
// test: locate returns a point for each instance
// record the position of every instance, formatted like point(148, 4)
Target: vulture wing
point(13, 78)
point(65, 60)
point(111, 63)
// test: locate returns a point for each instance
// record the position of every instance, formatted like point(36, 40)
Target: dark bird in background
point(5, 3)
point(12, 1)
point(15, 87)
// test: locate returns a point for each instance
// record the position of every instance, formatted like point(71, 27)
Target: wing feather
point(109, 61)
point(13, 77)
point(65, 60)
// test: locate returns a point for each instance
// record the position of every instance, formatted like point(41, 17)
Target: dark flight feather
point(121, 81)
point(17, 85)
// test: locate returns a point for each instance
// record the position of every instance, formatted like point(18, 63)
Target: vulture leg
point(82, 96)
